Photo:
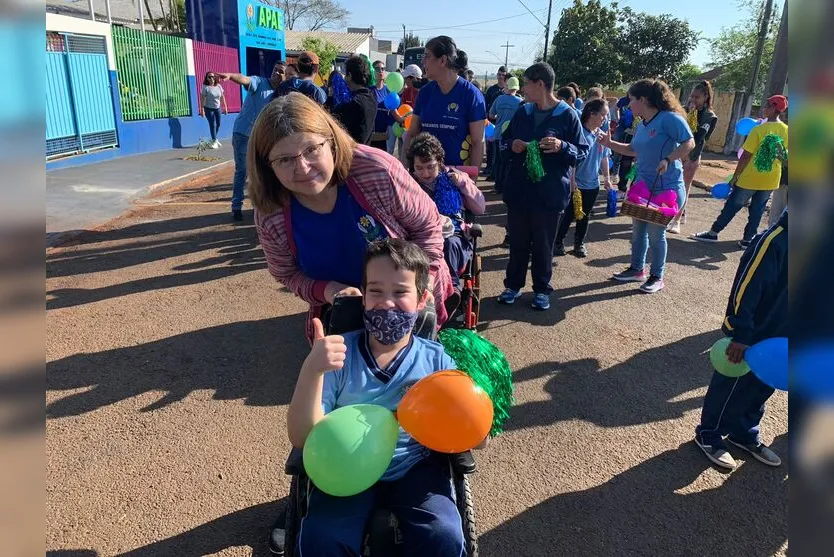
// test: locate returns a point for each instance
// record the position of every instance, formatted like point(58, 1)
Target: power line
point(531, 13)
point(462, 24)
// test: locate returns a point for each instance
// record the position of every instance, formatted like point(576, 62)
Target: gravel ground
point(172, 354)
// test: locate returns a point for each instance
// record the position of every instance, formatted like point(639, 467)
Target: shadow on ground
point(230, 359)
point(649, 381)
point(235, 250)
point(646, 511)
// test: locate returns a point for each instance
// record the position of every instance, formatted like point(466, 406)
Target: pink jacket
point(381, 185)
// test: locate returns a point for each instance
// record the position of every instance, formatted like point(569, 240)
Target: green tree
point(410, 40)
point(655, 46)
point(584, 45)
point(734, 48)
point(687, 73)
point(325, 50)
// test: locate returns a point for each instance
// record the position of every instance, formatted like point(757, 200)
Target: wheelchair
point(382, 535)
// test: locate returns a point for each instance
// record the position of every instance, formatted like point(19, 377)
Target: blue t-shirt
point(332, 246)
point(258, 95)
point(383, 115)
point(578, 105)
point(447, 117)
point(304, 87)
point(361, 381)
point(656, 139)
point(587, 173)
point(504, 108)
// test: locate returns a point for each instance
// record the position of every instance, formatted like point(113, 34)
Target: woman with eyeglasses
point(320, 199)
point(210, 96)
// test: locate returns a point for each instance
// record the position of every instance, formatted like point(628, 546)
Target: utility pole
point(547, 29)
point(757, 57)
point(507, 48)
point(778, 77)
point(403, 39)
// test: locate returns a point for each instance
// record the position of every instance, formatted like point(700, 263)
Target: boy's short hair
point(405, 255)
point(566, 93)
point(425, 146)
point(541, 71)
point(358, 70)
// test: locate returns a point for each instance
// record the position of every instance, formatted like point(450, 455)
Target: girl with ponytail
point(449, 107)
point(701, 120)
point(661, 141)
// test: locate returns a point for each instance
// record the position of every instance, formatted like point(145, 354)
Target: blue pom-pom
point(447, 196)
point(341, 93)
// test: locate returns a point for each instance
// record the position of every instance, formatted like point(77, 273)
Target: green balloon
point(395, 82)
point(718, 357)
point(398, 130)
point(350, 448)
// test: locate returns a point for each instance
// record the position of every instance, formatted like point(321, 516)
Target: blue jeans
point(239, 145)
point(738, 197)
point(733, 406)
point(213, 117)
point(423, 500)
point(645, 236)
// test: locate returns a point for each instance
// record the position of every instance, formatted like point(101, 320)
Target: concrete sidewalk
point(81, 197)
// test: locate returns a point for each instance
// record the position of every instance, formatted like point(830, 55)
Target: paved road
point(172, 356)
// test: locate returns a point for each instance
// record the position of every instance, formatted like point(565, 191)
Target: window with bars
point(153, 81)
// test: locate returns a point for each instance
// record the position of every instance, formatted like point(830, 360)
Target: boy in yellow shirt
point(749, 182)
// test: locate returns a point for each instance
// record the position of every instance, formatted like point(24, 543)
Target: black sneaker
point(654, 284)
point(237, 215)
point(744, 244)
point(708, 236)
point(559, 248)
point(630, 275)
point(580, 251)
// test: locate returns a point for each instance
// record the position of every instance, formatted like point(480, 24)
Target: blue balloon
point(746, 125)
point(391, 101)
point(768, 360)
point(489, 130)
point(721, 191)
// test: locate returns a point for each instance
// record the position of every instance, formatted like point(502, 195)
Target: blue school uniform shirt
point(361, 381)
point(656, 139)
point(303, 86)
point(587, 173)
point(258, 95)
point(383, 115)
point(332, 246)
point(447, 117)
point(504, 108)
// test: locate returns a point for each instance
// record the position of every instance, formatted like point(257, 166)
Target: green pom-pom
point(632, 173)
point(487, 366)
point(535, 169)
point(771, 148)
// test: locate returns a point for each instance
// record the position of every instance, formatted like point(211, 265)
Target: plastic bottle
point(611, 209)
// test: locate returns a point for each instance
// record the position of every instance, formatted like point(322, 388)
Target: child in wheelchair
point(454, 193)
point(377, 365)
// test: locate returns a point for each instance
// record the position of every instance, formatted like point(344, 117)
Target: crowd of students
point(338, 215)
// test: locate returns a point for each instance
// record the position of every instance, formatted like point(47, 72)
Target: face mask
point(389, 325)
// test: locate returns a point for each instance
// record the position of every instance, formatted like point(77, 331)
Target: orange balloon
point(446, 412)
point(407, 123)
point(404, 109)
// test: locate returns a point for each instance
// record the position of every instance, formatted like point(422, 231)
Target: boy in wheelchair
point(377, 365)
point(453, 192)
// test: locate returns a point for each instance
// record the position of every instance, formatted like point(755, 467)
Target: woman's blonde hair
point(286, 115)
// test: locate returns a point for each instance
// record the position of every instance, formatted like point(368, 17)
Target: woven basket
point(644, 213)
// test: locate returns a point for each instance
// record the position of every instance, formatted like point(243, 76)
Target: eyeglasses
point(311, 154)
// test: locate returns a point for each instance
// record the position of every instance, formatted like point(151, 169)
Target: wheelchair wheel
point(295, 504)
point(466, 508)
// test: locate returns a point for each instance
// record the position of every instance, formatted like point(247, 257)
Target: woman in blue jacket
point(535, 204)
point(660, 141)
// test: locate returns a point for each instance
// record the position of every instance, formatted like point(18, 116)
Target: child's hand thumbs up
point(328, 353)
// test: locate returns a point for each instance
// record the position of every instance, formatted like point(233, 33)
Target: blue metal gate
point(79, 103)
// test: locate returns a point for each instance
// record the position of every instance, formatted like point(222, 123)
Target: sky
point(507, 21)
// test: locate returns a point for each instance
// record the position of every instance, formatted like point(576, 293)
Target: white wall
point(66, 24)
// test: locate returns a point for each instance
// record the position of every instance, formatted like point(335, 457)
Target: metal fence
point(153, 80)
point(215, 58)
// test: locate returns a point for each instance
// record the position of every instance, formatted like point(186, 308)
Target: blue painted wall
point(146, 136)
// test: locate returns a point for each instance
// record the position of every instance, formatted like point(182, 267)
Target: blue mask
point(389, 325)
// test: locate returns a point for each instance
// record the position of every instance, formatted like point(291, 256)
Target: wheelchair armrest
point(463, 463)
point(295, 463)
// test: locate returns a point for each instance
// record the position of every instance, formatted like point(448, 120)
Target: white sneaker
point(218, 143)
point(215, 145)
point(674, 227)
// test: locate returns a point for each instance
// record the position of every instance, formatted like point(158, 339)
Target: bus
point(414, 55)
